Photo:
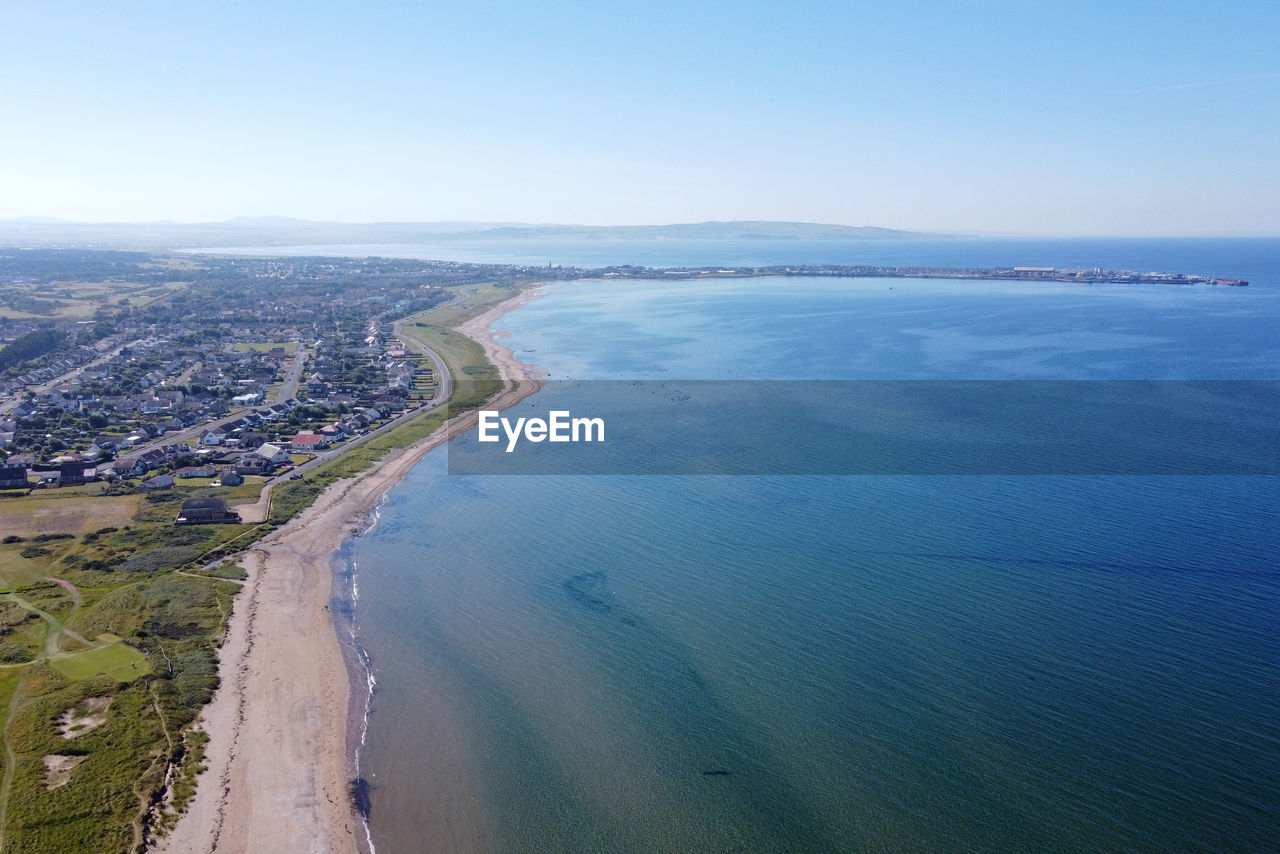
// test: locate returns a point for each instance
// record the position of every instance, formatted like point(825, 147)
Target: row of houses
point(65, 363)
point(18, 476)
point(242, 430)
point(226, 477)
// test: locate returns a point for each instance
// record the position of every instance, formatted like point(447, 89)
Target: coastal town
point(226, 368)
point(240, 372)
point(160, 417)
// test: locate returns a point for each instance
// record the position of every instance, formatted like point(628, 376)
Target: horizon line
point(250, 221)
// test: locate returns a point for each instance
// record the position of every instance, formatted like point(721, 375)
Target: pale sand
point(278, 758)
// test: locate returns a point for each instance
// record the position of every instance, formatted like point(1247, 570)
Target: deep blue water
point(820, 663)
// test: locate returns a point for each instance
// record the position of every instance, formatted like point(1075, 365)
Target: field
point(78, 300)
point(121, 663)
point(67, 513)
point(16, 570)
point(107, 584)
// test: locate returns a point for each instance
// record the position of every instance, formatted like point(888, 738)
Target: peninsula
point(1096, 275)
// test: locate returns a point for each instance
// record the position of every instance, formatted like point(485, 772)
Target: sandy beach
point(279, 761)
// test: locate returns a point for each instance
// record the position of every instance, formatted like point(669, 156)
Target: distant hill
point(733, 230)
point(285, 231)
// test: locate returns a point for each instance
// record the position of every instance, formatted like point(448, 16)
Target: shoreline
point(280, 757)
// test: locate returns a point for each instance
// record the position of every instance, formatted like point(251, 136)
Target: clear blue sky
point(1001, 116)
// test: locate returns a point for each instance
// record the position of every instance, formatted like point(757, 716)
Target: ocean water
point(1230, 257)
point(831, 663)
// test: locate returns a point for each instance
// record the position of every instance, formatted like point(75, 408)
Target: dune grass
point(117, 661)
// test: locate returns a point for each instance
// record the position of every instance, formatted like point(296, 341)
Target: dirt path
point(10, 757)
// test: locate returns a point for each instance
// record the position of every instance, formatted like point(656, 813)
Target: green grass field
point(16, 570)
point(119, 662)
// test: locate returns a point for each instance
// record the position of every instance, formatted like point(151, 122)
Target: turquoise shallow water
point(817, 663)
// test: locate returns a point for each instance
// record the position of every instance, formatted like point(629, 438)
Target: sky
point(974, 116)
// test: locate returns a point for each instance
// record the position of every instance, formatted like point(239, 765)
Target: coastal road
point(444, 380)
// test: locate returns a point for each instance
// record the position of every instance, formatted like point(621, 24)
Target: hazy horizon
point(453, 226)
point(987, 118)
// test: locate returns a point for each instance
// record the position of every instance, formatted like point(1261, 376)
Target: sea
point(822, 662)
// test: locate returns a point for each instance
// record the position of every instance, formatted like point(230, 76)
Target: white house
point(274, 454)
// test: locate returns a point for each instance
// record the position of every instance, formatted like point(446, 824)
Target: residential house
point(13, 477)
point(251, 463)
point(71, 473)
point(127, 468)
point(187, 472)
point(333, 432)
point(250, 439)
point(354, 423)
point(160, 481)
point(309, 442)
point(274, 454)
point(206, 511)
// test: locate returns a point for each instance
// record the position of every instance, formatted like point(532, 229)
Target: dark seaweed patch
point(590, 590)
point(359, 791)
